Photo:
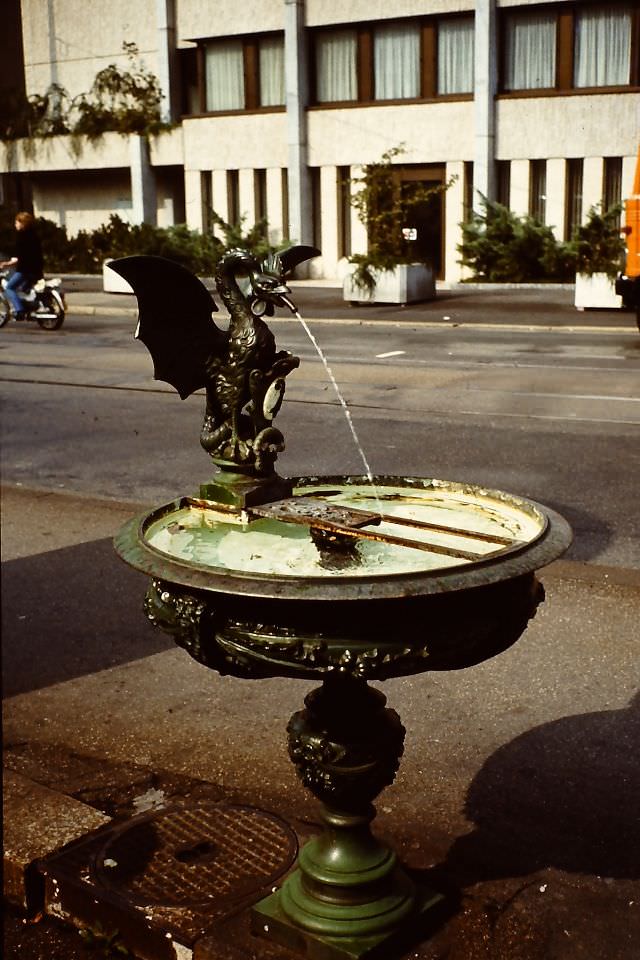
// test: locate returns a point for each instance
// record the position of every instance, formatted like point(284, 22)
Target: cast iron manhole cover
point(193, 855)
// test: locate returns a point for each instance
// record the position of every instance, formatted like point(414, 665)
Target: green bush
point(500, 247)
point(597, 243)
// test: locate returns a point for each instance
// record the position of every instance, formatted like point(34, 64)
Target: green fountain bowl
point(259, 598)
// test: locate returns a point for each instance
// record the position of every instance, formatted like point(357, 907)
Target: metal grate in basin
point(196, 854)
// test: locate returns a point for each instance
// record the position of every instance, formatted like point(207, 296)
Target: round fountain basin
point(464, 535)
point(258, 596)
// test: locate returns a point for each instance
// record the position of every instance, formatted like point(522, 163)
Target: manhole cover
point(196, 854)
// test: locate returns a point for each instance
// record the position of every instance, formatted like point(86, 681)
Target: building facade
point(278, 103)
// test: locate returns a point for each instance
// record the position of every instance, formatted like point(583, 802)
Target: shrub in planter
point(598, 245)
point(384, 207)
point(500, 247)
point(599, 258)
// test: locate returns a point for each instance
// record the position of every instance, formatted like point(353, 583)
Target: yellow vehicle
point(628, 283)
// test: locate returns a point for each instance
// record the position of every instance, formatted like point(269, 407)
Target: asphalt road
point(550, 412)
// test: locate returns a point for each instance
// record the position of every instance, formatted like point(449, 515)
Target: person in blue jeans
point(27, 262)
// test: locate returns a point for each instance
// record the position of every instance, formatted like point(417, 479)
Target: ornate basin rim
point(553, 539)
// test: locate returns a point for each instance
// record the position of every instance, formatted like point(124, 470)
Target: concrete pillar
point(143, 183)
point(329, 199)
point(628, 175)
point(219, 198)
point(485, 86)
point(193, 199)
point(556, 195)
point(300, 207)
point(453, 217)
point(592, 178)
point(167, 59)
point(274, 205)
point(246, 190)
point(519, 193)
point(358, 230)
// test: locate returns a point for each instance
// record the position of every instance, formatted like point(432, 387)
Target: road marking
point(391, 353)
point(541, 394)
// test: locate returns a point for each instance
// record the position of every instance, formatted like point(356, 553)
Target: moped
point(43, 302)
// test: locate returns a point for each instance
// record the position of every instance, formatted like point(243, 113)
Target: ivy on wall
point(122, 99)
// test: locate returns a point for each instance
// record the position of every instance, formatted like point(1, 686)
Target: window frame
point(365, 63)
point(565, 51)
point(251, 66)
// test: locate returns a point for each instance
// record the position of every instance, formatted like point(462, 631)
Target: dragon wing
point(175, 322)
point(295, 255)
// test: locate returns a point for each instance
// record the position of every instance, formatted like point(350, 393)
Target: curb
point(93, 311)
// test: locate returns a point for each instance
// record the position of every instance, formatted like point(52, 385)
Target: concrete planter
point(407, 283)
point(596, 292)
point(112, 282)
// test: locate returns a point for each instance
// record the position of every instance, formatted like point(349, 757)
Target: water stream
point(343, 404)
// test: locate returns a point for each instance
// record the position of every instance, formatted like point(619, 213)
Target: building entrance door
point(425, 222)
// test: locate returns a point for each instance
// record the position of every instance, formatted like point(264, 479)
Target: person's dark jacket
point(29, 254)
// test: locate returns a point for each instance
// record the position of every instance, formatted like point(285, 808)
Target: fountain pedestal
point(348, 895)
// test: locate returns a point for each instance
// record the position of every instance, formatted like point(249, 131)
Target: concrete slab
point(37, 822)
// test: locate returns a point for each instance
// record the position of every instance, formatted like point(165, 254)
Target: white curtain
point(225, 75)
point(530, 55)
point(336, 77)
point(271, 53)
point(603, 46)
point(396, 62)
point(455, 55)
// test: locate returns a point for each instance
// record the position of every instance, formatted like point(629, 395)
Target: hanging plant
point(124, 100)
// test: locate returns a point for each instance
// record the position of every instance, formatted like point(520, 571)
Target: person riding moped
point(27, 261)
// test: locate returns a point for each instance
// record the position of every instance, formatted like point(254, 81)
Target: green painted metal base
point(242, 490)
point(269, 920)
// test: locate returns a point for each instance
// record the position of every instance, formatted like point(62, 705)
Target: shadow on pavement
point(591, 534)
point(562, 795)
point(70, 612)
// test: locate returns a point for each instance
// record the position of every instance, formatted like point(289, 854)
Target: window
point(233, 197)
point(336, 73)
point(189, 87)
point(316, 206)
point(602, 55)
point(224, 68)
point(538, 190)
point(285, 203)
point(206, 194)
point(271, 67)
point(573, 216)
point(468, 191)
point(417, 58)
point(575, 46)
point(529, 51)
point(260, 194)
point(344, 211)
point(244, 74)
point(396, 62)
point(503, 182)
point(612, 182)
point(455, 56)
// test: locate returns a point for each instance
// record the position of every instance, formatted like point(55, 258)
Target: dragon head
point(269, 289)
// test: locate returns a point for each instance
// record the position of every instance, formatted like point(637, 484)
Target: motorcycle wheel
point(52, 303)
point(5, 310)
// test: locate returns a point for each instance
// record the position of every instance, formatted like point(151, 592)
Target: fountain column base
point(348, 897)
point(244, 489)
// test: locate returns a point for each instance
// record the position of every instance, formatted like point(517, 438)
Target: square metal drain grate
point(170, 873)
